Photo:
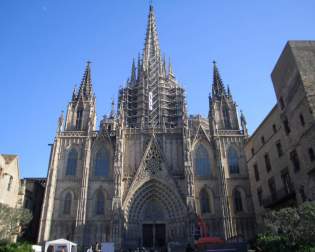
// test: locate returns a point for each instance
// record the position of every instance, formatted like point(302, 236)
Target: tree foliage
point(15, 247)
point(289, 229)
point(12, 221)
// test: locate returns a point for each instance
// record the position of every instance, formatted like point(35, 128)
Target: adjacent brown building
point(281, 152)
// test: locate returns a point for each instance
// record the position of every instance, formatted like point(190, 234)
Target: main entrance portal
point(153, 235)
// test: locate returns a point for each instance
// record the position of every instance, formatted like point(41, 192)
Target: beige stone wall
point(9, 180)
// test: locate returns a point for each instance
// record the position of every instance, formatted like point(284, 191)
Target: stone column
point(82, 200)
point(49, 196)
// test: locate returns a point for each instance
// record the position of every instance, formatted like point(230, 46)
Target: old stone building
point(10, 180)
point(149, 170)
point(281, 152)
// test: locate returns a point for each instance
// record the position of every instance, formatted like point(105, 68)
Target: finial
point(214, 62)
point(170, 69)
point(112, 112)
point(60, 122)
point(228, 90)
point(88, 62)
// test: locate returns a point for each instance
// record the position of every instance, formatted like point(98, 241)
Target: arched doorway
point(154, 215)
point(153, 225)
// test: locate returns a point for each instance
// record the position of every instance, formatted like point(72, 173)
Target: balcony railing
point(278, 197)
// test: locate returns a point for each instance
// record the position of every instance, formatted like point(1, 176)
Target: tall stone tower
point(149, 171)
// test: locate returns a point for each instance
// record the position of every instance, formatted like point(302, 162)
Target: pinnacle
point(218, 89)
point(152, 47)
point(86, 89)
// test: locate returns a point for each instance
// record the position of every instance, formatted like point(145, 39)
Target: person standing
point(97, 247)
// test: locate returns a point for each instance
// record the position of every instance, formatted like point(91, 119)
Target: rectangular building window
point(311, 154)
point(272, 188)
point(302, 120)
point(79, 119)
point(267, 162)
point(253, 151)
point(286, 126)
point(259, 196)
point(274, 128)
point(10, 183)
point(256, 172)
point(262, 140)
point(279, 149)
point(295, 160)
point(286, 180)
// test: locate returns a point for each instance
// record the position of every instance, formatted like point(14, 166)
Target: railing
point(280, 196)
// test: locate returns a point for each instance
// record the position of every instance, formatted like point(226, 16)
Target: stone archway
point(154, 215)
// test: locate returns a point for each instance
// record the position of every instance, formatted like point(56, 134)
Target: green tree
point(289, 229)
point(12, 221)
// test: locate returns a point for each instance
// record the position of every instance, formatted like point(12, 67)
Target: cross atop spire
point(218, 89)
point(151, 47)
point(86, 89)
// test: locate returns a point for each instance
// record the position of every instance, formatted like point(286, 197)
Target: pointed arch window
point(101, 163)
point(100, 203)
point(233, 161)
point(226, 117)
point(204, 201)
point(72, 162)
point(238, 204)
point(79, 119)
point(67, 203)
point(202, 162)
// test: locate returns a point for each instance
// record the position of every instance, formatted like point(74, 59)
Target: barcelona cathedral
point(149, 172)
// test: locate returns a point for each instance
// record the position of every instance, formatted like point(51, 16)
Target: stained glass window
point(100, 203)
point(233, 161)
point(72, 163)
point(67, 204)
point(202, 162)
point(101, 164)
point(238, 201)
point(204, 201)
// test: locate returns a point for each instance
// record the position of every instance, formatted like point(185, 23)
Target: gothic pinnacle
point(133, 72)
point(151, 48)
point(86, 89)
point(170, 70)
point(74, 93)
point(112, 112)
point(218, 89)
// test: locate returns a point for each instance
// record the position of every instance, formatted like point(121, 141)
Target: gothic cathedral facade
point(150, 171)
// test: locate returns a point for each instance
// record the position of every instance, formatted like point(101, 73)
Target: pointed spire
point(152, 47)
point(112, 112)
point(139, 68)
point(243, 123)
point(229, 91)
point(218, 89)
point(133, 72)
point(164, 66)
point(86, 89)
point(74, 93)
point(170, 70)
point(243, 119)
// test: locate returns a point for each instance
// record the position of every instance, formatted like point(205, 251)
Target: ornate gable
point(200, 134)
point(153, 160)
point(152, 166)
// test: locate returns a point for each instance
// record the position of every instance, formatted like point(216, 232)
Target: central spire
point(218, 89)
point(151, 47)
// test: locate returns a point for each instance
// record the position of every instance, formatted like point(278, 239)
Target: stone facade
point(144, 176)
point(287, 135)
point(9, 180)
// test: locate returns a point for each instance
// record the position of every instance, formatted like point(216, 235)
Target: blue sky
point(45, 43)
